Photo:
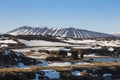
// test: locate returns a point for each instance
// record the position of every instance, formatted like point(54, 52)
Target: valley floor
point(92, 71)
point(49, 60)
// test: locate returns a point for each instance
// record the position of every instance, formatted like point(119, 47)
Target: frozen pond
point(109, 59)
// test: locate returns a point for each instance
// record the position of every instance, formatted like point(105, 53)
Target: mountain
point(116, 34)
point(63, 32)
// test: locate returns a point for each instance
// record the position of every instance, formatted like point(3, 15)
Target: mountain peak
point(62, 32)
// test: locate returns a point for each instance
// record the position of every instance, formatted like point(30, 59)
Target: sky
point(94, 15)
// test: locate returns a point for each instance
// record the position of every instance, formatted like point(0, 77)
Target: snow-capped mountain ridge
point(63, 32)
point(116, 34)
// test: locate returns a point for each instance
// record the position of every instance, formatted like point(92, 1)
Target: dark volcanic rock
point(10, 58)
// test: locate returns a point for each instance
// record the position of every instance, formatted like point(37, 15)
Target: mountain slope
point(63, 32)
point(116, 34)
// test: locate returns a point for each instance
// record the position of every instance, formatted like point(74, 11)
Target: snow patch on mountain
point(116, 34)
point(8, 41)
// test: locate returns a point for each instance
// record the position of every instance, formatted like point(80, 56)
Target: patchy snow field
point(112, 43)
point(47, 74)
point(80, 41)
point(68, 63)
point(8, 41)
point(91, 55)
point(83, 44)
point(46, 63)
point(42, 43)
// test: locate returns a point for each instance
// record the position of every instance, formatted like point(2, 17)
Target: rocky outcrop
point(9, 58)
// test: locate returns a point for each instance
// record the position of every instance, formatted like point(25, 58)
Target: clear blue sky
point(95, 15)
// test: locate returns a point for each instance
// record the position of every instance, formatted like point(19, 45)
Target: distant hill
point(62, 32)
point(116, 34)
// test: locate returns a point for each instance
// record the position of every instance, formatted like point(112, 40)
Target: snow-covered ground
point(76, 73)
point(68, 63)
point(47, 74)
point(58, 49)
point(21, 65)
point(91, 43)
point(4, 42)
point(93, 56)
point(38, 57)
point(87, 47)
point(8, 41)
point(42, 43)
point(21, 50)
point(46, 63)
point(80, 41)
point(90, 55)
point(112, 43)
point(36, 49)
point(87, 43)
point(51, 74)
point(83, 44)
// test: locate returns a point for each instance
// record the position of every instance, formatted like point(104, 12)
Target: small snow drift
point(76, 73)
point(68, 63)
point(6, 43)
point(21, 65)
point(9, 41)
point(51, 74)
point(4, 46)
